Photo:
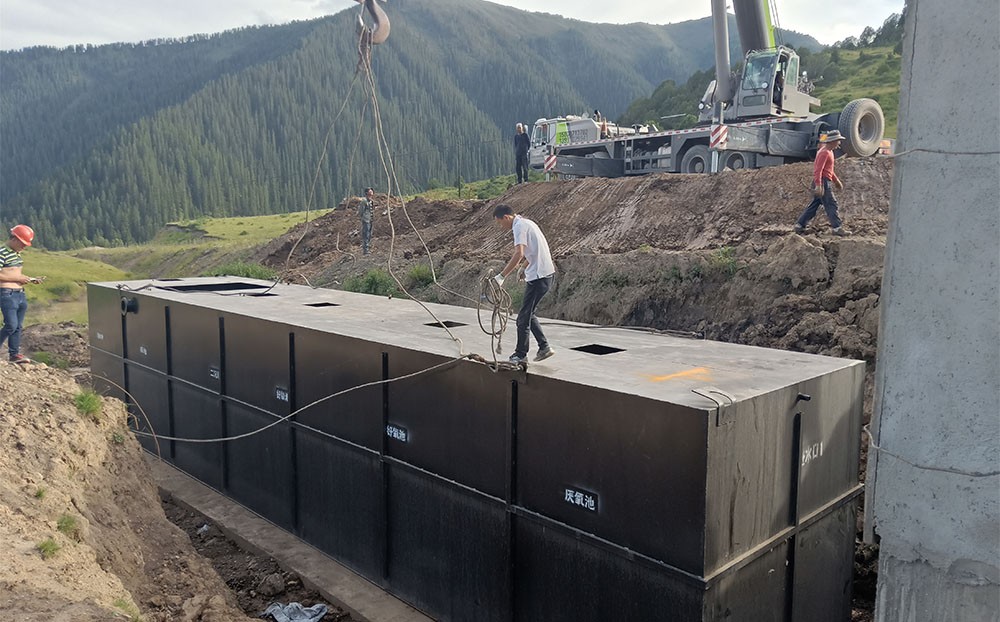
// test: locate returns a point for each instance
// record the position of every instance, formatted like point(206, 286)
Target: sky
point(59, 23)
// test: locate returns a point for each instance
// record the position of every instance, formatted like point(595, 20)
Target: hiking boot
point(841, 232)
point(519, 359)
point(799, 228)
point(19, 359)
point(544, 353)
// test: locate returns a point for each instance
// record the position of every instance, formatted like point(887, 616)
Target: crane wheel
point(696, 160)
point(862, 125)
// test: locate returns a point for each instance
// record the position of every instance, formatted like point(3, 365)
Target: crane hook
point(380, 32)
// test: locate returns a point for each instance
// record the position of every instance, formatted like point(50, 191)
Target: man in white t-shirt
point(529, 246)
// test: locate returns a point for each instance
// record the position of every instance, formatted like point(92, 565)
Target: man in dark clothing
point(366, 210)
point(521, 144)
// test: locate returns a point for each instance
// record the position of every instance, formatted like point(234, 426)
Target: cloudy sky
point(59, 23)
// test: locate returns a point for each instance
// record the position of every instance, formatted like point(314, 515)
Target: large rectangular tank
point(633, 476)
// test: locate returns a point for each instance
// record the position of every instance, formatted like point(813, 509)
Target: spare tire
point(862, 125)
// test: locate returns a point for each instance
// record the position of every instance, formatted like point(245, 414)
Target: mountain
point(105, 144)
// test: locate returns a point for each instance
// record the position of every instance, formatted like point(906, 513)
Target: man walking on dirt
point(13, 302)
point(366, 211)
point(521, 144)
point(529, 245)
point(823, 176)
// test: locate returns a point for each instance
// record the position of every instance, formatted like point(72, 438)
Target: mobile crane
point(760, 117)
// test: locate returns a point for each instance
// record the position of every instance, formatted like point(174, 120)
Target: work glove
point(499, 279)
point(817, 191)
point(839, 184)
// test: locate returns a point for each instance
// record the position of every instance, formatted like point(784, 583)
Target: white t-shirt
point(536, 249)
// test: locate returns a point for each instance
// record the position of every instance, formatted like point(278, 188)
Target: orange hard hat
point(23, 233)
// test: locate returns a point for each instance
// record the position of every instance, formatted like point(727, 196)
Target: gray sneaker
point(799, 228)
point(544, 353)
point(841, 232)
point(518, 359)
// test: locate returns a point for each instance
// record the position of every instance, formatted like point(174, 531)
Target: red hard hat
point(23, 233)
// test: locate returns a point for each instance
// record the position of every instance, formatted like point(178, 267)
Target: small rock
point(271, 585)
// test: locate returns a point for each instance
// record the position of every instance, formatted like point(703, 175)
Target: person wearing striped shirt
point(13, 303)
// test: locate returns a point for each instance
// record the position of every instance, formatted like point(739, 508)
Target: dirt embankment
point(715, 254)
point(84, 537)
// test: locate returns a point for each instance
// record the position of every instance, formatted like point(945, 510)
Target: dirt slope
point(81, 482)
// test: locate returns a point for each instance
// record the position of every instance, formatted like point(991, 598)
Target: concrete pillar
point(933, 492)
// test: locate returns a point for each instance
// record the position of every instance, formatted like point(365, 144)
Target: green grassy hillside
point(63, 294)
point(183, 249)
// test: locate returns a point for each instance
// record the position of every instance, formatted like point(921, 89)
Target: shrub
point(88, 403)
point(375, 281)
point(47, 547)
point(245, 270)
point(421, 275)
point(40, 492)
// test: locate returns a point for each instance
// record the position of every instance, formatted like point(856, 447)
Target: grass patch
point(118, 438)
point(128, 608)
point(88, 403)
point(48, 548)
point(68, 525)
point(375, 281)
point(245, 270)
point(724, 261)
point(52, 360)
point(40, 492)
point(241, 229)
point(421, 275)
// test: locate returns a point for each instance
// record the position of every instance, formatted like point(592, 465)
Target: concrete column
point(933, 493)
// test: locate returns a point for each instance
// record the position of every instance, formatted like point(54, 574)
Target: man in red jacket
point(823, 176)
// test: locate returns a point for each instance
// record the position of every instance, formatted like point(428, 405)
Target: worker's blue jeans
point(366, 235)
point(828, 201)
point(13, 304)
point(526, 319)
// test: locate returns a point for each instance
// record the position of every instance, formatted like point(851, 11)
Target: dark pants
point(13, 304)
point(366, 235)
point(521, 164)
point(828, 201)
point(526, 319)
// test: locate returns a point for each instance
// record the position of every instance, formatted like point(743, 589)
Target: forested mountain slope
point(105, 144)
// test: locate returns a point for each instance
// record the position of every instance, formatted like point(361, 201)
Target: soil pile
point(84, 535)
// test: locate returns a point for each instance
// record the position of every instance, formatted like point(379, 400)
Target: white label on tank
point(143, 351)
point(281, 394)
point(396, 432)
point(811, 453)
point(100, 336)
point(581, 498)
point(214, 373)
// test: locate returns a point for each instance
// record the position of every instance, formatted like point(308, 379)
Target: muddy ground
point(695, 253)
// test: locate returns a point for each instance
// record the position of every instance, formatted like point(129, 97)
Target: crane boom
point(753, 21)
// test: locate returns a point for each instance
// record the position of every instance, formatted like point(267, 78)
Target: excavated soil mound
point(84, 536)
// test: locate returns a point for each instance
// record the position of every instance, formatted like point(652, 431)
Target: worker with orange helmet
point(13, 302)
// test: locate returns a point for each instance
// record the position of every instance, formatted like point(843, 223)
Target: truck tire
point(734, 160)
point(862, 124)
point(696, 160)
